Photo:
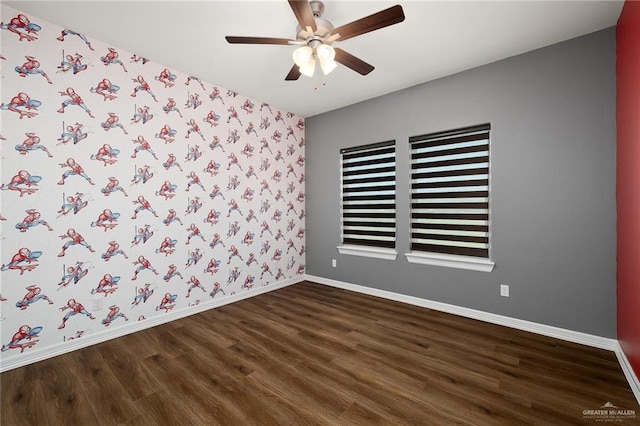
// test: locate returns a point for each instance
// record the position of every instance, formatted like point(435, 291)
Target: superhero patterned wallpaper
point(132, 185)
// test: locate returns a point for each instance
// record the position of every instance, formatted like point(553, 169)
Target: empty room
point(292, 212)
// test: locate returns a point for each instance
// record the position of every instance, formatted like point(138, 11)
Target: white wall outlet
point(97, 303)
point(504, 290)
point(334, 263)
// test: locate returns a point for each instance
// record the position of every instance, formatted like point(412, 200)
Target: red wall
point(628, 181)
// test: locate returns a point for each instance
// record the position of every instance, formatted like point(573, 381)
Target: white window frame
point(466, 247)
point(367, 247)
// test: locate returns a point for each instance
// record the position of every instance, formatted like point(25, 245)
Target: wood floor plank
point(286, 350)
point(318, 403)
point(335, 316)
point(311, 354)
point(251, 404)
point(67, 402)
point(211, 393)
point(24, 399)
point(199, 326)
point(162, 408)
point(142, 342)
point(125, 363)
point(168, 341)
point(90, 364)
point(357, 414)
point(391, 403)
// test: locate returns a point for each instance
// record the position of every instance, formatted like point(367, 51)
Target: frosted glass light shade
point(325, 53)
point(309, 68)
point(302, 55)
point(328, 66)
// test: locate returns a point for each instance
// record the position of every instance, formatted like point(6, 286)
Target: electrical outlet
point(97, 303)
point(504, 290)
point(334, 263)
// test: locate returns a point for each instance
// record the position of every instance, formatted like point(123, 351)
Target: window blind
point(369, 195)
point(450, 192)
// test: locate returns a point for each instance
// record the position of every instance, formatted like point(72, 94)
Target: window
point(369, 200)
point(450, 198)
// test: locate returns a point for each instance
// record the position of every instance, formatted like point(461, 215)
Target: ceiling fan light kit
point(328, 66)
point(305, 58)
point(308, 68)
point(316, 35)
point(302, 55)
point(325, 52)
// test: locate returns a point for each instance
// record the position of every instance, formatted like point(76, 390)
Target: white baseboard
point(545, 330)
point(103, 336)
point(631, 376)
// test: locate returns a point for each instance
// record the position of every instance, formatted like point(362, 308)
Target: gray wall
point(553, 231)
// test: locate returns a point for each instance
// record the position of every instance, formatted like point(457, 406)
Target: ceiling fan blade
point(331, 38)
point(257, 40)
point(350, 61)
point(384, 18)
point(294, 73)
point(304, 14)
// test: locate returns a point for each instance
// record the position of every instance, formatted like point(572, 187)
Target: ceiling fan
point(315, 37)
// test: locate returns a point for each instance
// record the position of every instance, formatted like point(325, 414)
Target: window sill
point(374, 252)
point(451, 261)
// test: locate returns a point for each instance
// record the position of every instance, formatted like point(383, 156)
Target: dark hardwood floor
point(311, 354)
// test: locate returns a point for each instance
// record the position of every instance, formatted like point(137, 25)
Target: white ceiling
point(437, 38)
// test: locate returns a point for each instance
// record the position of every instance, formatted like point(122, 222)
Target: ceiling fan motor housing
point(323, 30)
point(317, 7)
